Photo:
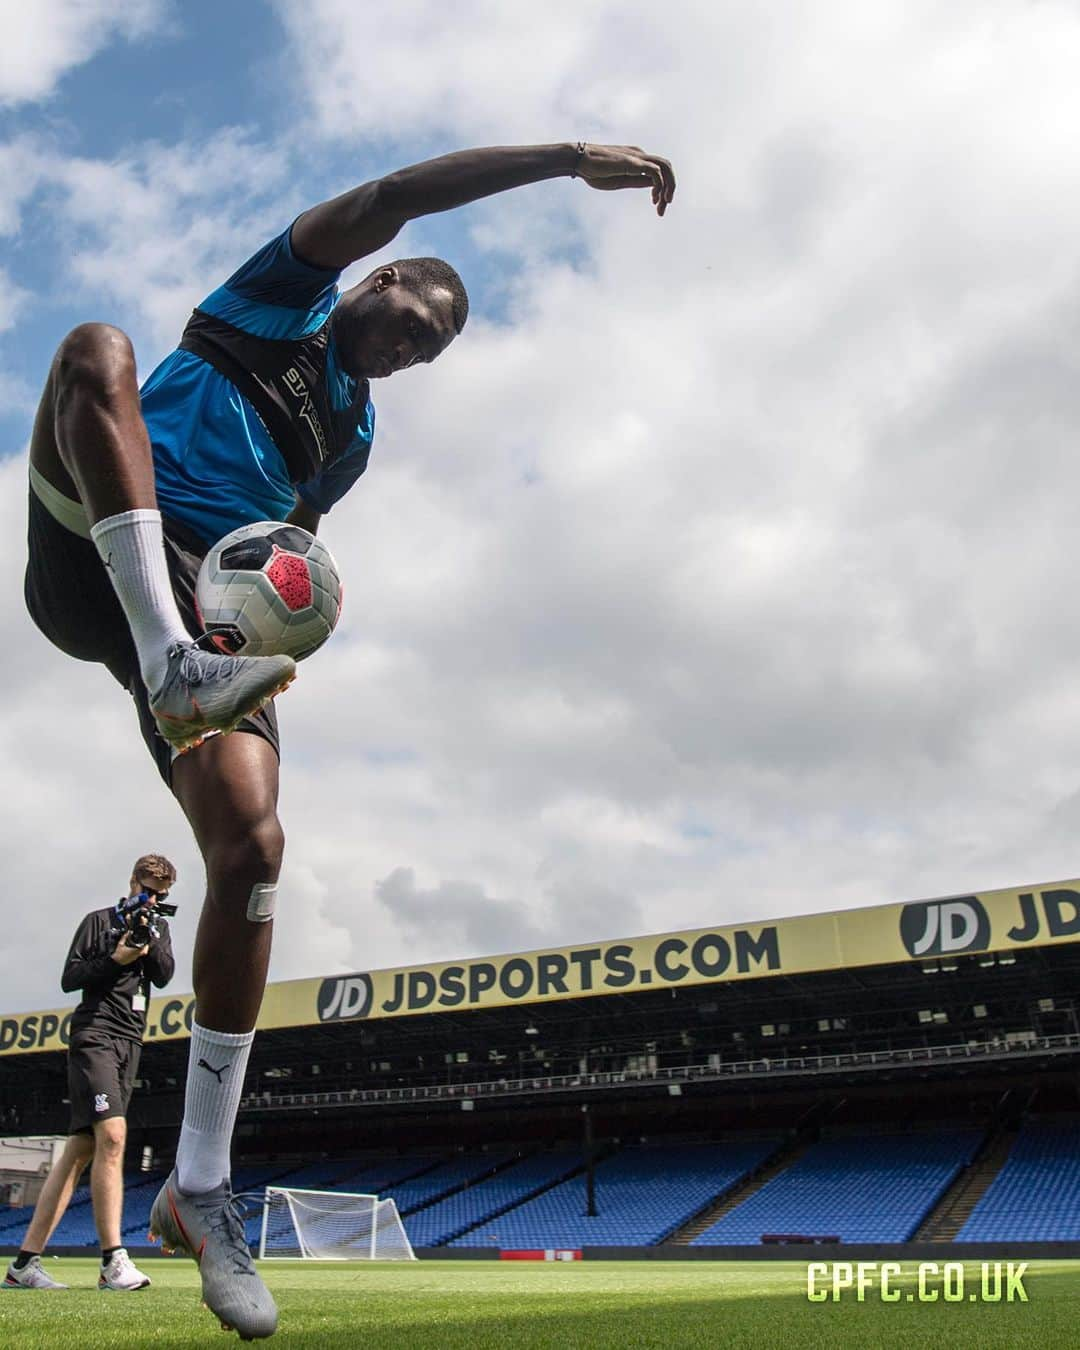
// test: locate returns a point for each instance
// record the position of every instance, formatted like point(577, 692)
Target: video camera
point(138, 917)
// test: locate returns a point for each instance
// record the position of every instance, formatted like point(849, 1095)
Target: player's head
point(403, 313)
point(153, 873)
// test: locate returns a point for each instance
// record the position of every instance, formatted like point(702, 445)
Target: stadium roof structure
point(912, 937)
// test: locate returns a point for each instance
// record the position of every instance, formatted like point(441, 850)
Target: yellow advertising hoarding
point(882, 935)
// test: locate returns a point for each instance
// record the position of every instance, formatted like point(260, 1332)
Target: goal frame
point(305, 1253)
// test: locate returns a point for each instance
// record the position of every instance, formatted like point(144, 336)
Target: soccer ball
point(268, 589)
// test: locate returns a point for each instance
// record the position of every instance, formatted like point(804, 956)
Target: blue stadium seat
point(860, 1188)
point(448, 1176)
point(1036, 1195)
point(642, 1196)
point(435, 1224)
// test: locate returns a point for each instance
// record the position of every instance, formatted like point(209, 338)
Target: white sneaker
point(32, 1276)
point(121, 1273)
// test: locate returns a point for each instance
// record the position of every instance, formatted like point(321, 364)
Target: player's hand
point(124, 955)
point(610, 167)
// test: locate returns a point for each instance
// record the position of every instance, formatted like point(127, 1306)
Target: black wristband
point(578, 158)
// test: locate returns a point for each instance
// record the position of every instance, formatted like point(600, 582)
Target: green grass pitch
point(495, 1305)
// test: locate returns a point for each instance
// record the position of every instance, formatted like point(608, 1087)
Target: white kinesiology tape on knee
point(261, 903)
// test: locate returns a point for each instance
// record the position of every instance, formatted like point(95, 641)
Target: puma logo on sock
point(216, 1072)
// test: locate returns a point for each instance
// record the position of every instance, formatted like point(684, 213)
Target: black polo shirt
point(111, 990)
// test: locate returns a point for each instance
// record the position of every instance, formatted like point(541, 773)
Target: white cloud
point(458, 909)
point(142, 238)
point(49, 37)
point(20, 172)
point(13, 299)
point(159, 229)
point(741, 588)
point(427, 69)
point(18, 398)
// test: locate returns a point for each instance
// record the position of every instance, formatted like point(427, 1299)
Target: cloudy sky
point(723, 570)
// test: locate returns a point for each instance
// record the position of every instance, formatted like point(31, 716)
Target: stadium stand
point(860, 1188)
point(943, 1222)
point(437, 1223)
point(76, 1228)
point(326, 1174)
point(447, 1177)
point(642, 1195)
point(363, 1176)
point(862, 1074)
point(867, 1187)
point(752, 1182)
point(14, 1220)
point(1036, 1195)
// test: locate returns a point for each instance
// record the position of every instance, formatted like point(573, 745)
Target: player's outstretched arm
point(359, 222)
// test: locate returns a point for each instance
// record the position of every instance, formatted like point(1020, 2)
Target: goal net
point(331, 1226)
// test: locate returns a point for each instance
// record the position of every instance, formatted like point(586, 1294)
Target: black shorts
point(71, 599)
point(101, 1078)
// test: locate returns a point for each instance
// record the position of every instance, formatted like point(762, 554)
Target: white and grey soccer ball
point(268, 589)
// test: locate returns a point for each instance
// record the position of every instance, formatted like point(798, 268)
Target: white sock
point(133, 551)
point(216, 1064)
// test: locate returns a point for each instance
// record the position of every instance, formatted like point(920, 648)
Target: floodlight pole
point(590, 1172)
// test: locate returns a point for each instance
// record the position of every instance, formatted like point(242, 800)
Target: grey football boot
point(209, 1228)
point(204, 692)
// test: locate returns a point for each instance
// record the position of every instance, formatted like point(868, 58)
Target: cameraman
point(115, 956)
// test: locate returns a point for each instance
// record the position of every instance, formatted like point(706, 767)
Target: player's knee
point(94, 357)
point(247, 857)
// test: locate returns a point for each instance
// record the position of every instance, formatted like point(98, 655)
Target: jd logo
point(1061, 910)
point(344, 997)
point(939, 927)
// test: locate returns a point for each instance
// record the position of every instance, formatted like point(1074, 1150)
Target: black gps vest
point(284, 379)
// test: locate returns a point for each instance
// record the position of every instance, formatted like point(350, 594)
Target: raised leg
point(89, 439)
point(91, 444)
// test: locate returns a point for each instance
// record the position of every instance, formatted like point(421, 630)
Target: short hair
point(154, 867)
point(425, 275)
